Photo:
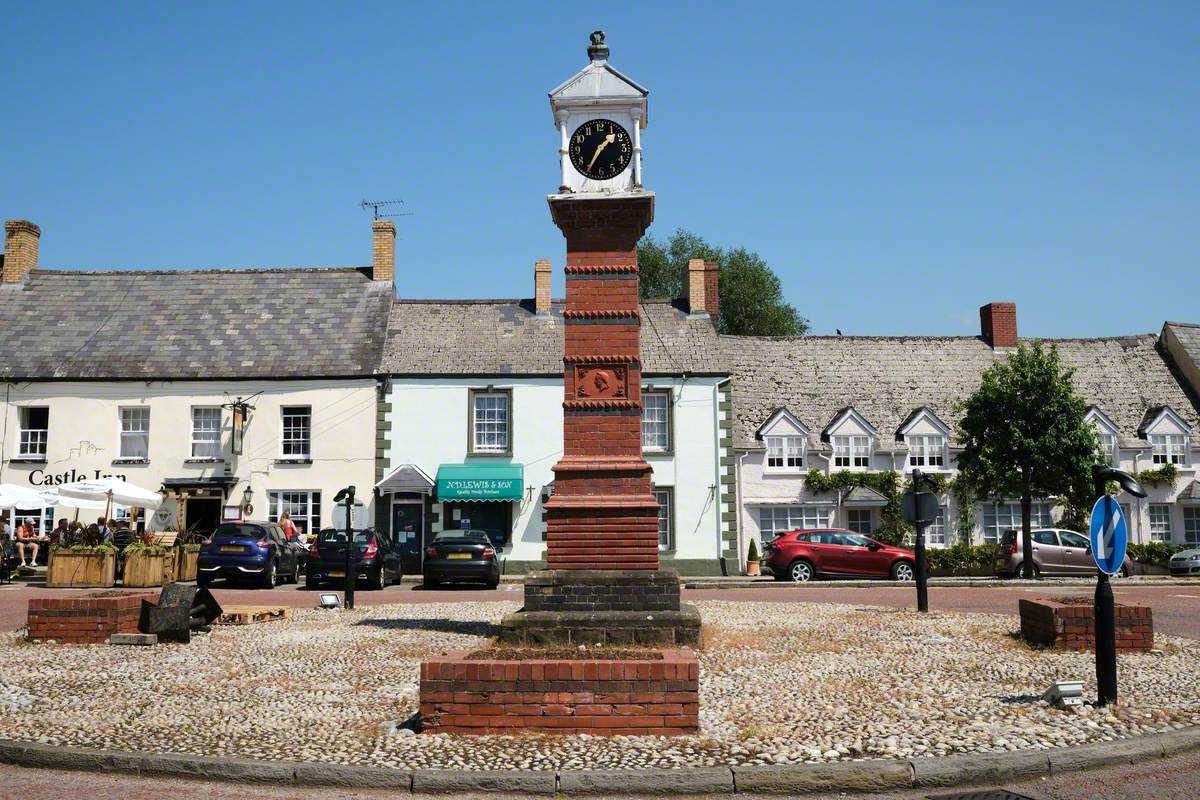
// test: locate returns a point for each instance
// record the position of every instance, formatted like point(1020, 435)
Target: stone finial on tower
point(597, 50)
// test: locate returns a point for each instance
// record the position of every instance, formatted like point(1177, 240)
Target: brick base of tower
point(603, 585)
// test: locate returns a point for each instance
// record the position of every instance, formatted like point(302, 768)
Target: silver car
point(1056, 552)
point(1186, 562)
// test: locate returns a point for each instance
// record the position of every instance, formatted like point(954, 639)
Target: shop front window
point(303, 507)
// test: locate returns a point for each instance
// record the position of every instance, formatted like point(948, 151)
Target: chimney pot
point(998, 324)
point(383, 234)
point(712, 293)
point(20, 250)
point(541, 287)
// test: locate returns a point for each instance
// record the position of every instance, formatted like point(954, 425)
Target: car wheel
point(311, 582)
point(801, 571)
point(432, 583)
point(1123, 572)
point(378, 580)
point(203, 581)
point(268, 575)
point(1020, 573)
point(296, 573)
point(903, 571)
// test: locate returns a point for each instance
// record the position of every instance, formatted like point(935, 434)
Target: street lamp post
point(1105, 607)
point(922, 566)
point(347, 495)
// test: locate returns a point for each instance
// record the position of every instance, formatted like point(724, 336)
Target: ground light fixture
point(1065, 693)
point(329, 600)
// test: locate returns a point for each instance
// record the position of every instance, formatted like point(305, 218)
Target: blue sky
point(898, 164)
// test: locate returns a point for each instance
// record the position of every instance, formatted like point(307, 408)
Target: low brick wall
point(590, 590)
point(606, 697)
point(86, 618)
point(1072, 626)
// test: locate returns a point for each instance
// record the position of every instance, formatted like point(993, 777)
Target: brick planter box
point(1071, 626)
point(86, 618)
point(601, 696)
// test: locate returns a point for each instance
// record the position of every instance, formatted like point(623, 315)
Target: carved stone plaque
point(600, 382)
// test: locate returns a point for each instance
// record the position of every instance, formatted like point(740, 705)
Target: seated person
point(59, 534)
point(26, 540)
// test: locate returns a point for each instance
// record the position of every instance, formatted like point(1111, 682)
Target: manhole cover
point(989, 794)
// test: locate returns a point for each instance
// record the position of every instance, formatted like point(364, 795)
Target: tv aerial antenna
point(375, 205)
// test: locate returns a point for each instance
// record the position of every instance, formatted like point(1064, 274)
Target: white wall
point(84, 435)
point(430, 427)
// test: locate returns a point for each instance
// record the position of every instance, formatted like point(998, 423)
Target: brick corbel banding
point(608, 358)
point(626, 313)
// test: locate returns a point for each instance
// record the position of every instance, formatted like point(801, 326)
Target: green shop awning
point(480, 481)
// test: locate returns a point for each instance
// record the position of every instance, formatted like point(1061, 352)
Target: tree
point(752, 301)
point(1023, 435)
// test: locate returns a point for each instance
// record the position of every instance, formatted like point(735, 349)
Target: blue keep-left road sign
point(1110, 536)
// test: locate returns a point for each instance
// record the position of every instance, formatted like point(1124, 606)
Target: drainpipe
point(738, 532)
point(718, 496)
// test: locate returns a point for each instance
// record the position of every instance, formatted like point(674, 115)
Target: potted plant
point(82, 559)
point(752, 566)
point(146, 561)
point(187, 554)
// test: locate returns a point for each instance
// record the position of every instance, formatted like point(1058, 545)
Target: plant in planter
point(752, 564)
point(146, 561)
point(82, 559)
point(187, 554)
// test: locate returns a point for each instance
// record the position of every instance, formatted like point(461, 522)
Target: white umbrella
point(15, 496)
point(110, 490)
point(53, 498)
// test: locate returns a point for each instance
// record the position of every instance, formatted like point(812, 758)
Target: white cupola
point(600, 114)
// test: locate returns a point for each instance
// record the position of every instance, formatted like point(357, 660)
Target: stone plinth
point(85, 619)
point(634, 697)
point(1072, 626)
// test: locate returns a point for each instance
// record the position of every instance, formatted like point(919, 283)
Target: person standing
point(288, 527)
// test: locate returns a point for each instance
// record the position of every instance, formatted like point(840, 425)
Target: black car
point(378, 561)
point(256, 551)
point(461, 556)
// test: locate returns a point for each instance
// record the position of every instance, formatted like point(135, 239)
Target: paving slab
point(978, 768)
point(701, 780)
point(458, 781)
point(848, 776)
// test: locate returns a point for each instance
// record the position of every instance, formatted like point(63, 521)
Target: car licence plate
point(458, 555)
point(232, 548)
point(337, 573)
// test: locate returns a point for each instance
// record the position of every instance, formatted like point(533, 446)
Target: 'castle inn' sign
point(40, 477)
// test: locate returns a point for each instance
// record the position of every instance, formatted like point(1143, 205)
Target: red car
point(805, 554)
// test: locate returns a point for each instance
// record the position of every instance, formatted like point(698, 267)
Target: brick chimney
point(20, 249)
point(541, 288)
point(712, 294)
point(694, 284)
point(384, 235)
point(998, 324)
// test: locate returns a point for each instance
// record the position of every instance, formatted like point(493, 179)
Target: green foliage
point(143, 547)
point(1166, 475)
point(894, 528)
point(1024, 435)
point(752, 302)
point(1153, 552)
point(961, 558)
point(104, 547)
point(752, 552)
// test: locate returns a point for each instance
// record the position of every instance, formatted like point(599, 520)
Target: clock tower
point(603, 581)
point(600, 115)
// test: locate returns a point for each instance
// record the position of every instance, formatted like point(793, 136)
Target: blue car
point(251, 551)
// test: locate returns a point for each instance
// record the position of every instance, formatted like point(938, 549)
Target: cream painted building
point(230, 391)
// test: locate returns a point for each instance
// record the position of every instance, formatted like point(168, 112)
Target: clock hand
point(612, 137)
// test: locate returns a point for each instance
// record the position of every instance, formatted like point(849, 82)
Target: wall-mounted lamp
point(247, 496)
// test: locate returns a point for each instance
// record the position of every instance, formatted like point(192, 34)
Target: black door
point(408, 523)
point(288, 557)
point(492, 517)
point(202, 514)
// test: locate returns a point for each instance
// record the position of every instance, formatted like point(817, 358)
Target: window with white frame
point(304, 508)
point(927, 450)
point(34, 431)
point(851, 452)
point(785, 453)
point(774, 520)
point(135, 433)
point(490, 422)
point(206, 432)
point(296, 440)
point(1191, 525)
point(1108, 445)
point(656, 420)
point(935, 532)
point(859, 520)
point(1169, 448)
point(1160, 522)
point(1001, 517)
point(666, 520)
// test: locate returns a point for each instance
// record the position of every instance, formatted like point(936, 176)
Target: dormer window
point(1169, 448)
point(785, 453)
point(1106, 432)
point(926, 450)
point(851, 452)
point(1108, 445)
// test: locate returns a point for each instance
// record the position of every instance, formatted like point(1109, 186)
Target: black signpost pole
point(1105, 606)
point(347, 494)
point(922, 567)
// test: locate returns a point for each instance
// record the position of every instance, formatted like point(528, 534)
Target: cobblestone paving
point(780, 683)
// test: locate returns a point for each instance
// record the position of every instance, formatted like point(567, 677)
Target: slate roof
point(506, 337)
point(246, 323)
point(1188, 334)
point(886, 378)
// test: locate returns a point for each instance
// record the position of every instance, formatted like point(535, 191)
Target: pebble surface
point(779, 684)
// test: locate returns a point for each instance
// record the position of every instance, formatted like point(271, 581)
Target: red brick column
point(603, 514)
